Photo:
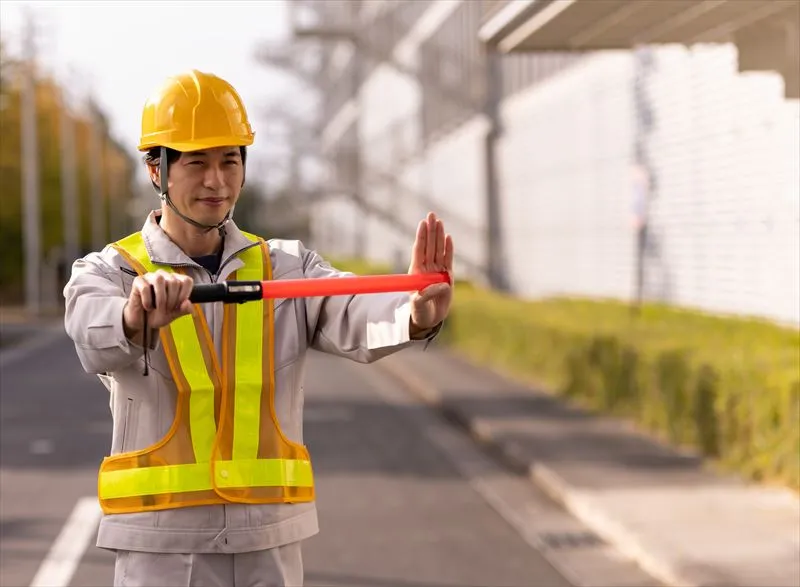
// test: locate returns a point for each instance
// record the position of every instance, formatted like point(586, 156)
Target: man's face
point(204, 185)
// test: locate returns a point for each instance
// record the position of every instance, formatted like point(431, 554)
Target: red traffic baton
point(233, 292)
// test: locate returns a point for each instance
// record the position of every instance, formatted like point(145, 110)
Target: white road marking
point(513, 498)
point(58, 567)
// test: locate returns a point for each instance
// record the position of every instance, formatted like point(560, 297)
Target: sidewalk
point(20, 315)
point(684, 525)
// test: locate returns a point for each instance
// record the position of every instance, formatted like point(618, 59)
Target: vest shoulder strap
point(253, 237)
point(134, 251)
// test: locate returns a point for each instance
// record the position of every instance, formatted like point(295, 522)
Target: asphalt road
point(405, 499)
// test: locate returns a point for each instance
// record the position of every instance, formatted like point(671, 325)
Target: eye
point(196, 162)
point(232, 162)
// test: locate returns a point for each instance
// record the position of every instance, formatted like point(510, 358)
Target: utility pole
point(643, 180)
point(98, 205)
point(358, 188)
point(31, 233)
point(496, 270)
point(69, 183)
point(295, 188)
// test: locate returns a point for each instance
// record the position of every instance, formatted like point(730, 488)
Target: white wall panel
point(565, 174)
point(724, 150)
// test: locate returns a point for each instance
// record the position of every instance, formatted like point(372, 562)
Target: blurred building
point(589, 148)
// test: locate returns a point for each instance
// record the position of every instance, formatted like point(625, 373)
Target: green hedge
point(726, 386)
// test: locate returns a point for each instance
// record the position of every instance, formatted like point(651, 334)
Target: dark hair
point(153, 158)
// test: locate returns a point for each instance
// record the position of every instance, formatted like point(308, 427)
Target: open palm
point(432, 253)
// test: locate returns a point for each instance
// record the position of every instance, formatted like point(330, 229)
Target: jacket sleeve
point(94, 299)
point(363, 328)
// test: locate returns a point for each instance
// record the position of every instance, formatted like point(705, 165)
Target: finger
point(175, 291)
point(448, 253)
point(170, 297)
point(439, 258)
point(135, 297)
point(176, 284)
point(433, 291)
point(418, 252)
point(183, 304)
point(158, 290)
point(185, 290)
point(145, 293)
point(430, 245)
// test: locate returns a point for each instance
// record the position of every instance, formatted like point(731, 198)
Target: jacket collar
point(162, 250)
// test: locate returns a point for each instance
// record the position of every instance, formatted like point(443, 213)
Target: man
point(208, 482)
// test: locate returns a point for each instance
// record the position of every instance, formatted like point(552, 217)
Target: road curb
point(578, 503)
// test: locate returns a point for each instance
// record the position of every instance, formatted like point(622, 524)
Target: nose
point(213, 178)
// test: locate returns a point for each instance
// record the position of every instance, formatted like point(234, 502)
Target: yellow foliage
point(116, 169)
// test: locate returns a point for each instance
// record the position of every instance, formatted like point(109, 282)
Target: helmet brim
point(209, 143)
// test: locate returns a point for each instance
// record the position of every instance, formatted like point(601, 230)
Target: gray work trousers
point(276, 567)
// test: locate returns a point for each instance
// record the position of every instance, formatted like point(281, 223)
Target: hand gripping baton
point(231, 292)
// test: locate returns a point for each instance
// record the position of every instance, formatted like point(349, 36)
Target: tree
point(116, 171)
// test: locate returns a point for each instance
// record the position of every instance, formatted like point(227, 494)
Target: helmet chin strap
point(164, 195)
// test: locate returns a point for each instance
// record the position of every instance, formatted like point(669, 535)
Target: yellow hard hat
point(193, 111)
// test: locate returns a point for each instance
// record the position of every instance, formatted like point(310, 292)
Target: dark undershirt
point(209, 262)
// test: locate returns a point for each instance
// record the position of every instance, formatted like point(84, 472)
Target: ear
point(154, 173)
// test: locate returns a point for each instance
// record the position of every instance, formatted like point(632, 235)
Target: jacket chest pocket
point(126, 277)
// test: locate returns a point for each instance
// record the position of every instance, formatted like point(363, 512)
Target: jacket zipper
point(127, 425)
point(214, 276)
point(229, 259)
point(214, 280)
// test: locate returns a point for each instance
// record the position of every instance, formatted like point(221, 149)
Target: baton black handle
point(213, 292)
point(235, 292)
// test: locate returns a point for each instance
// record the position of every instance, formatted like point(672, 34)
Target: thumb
point(433, 291)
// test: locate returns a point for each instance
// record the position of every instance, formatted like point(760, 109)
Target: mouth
point(213, 202)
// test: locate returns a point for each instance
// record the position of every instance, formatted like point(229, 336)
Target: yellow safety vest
point(225, 444)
